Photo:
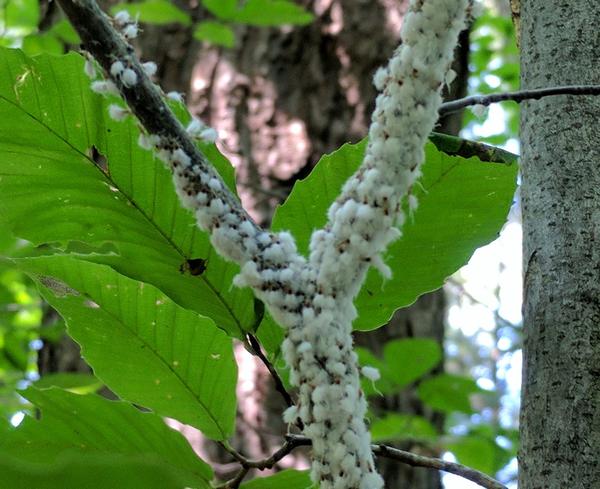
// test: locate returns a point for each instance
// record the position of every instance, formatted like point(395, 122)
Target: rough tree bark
point(560, 418)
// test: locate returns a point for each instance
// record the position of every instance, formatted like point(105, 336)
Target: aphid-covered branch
point(312, 299)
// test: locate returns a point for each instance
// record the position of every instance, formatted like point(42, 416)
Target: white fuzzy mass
point(313, 299)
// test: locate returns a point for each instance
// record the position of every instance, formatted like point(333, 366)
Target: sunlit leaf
point(62, 160)
point(75, 382)
point(463, 204)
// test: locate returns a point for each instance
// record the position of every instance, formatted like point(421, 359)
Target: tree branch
point(520, 96)
point(415, 460)
point(409, 458)
point(146, 101)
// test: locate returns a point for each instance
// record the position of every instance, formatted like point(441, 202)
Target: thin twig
point(279, 387)
point(236, 481)
point(409, 458)
point(292, 442)
point(534, 94)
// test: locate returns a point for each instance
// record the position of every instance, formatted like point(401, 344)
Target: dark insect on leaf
point(195, 266)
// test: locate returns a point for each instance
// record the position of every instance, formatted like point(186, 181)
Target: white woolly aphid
point(129, 77)
point(360, 228)
point(209, 135)
point(150, 68)
point(117, 112)
point(122, 17)
point(176, 96)
point(89, 68)
point(148, 141)
point(117, 69)
point(105, 87)
point(130, 31)
point(370, 373)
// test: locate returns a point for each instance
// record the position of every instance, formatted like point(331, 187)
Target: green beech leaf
point(64, 162)
point(270, 335)
point(448, 393)
point(155, 12)
point(141, 344)
point(215, 33)
point(288, 479)
point(80, 437)
point(98, 471)
point(408, 359)
point(398, 427)
point(463, 204)
point(270, 13)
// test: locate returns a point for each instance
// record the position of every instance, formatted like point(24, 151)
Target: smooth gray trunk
point(560, 417)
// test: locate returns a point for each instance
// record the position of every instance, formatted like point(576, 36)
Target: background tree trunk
point(560, 417)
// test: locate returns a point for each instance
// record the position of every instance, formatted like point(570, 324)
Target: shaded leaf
point(222, 9)
point(478, 453)
point(288, 479)
point(78, 437)
point(271, 13)
point(448, 393)
point(141, 344)
point(408, 359)
point(398, 427)
point(215, 33)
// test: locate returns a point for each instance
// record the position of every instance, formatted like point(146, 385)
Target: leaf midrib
point(133, 203)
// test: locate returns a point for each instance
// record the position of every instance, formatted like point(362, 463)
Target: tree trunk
point(560, 417)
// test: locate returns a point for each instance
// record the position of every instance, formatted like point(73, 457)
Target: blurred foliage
point(20, 323)
point(19, 27)
point(226, 15)
point(493, 68)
